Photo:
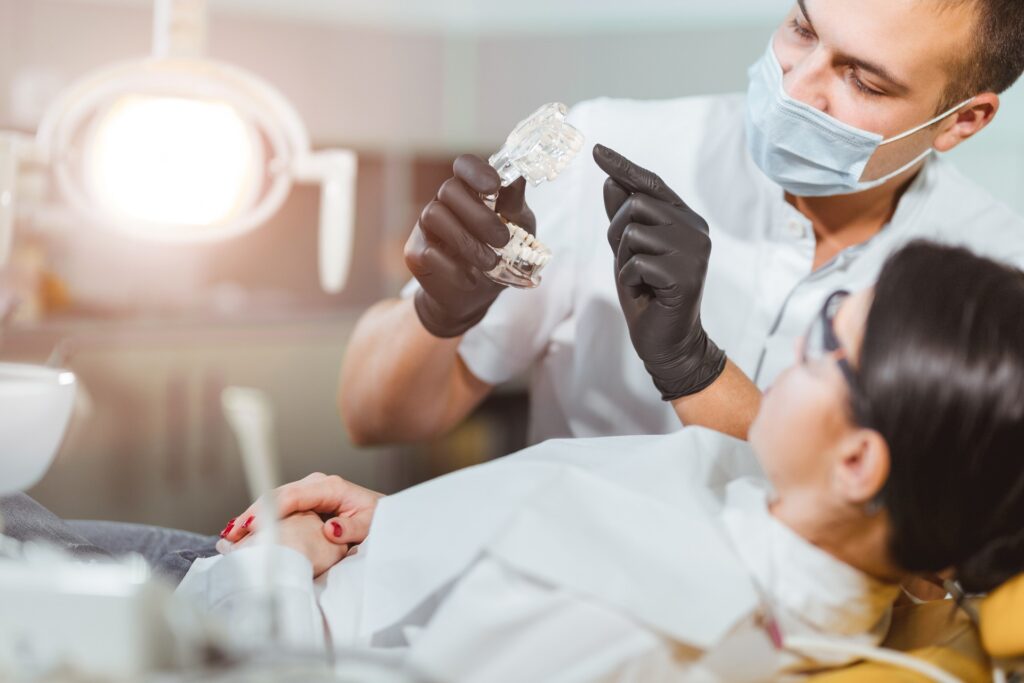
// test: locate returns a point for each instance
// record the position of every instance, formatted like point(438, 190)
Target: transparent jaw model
point(538, 149)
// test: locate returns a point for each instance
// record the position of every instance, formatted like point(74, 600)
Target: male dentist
point(804, 186)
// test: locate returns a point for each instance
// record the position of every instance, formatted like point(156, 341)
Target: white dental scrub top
point(569, 562)
point(569, 334)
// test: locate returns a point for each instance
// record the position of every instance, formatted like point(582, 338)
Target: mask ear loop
point(924, 125)
point(923, 155)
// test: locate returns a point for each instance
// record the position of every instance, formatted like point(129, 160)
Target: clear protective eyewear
point(821, 340)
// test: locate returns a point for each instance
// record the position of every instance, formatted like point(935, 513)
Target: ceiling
point(506, 16)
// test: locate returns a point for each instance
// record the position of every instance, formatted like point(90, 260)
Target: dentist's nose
point(805, 79)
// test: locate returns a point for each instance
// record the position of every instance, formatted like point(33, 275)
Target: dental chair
point(1002, 625)
point(944, 635)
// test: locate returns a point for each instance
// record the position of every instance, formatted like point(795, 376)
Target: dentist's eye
point(861, 86)
point(802, 32)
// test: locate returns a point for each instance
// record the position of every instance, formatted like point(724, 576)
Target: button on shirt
point(569, 334)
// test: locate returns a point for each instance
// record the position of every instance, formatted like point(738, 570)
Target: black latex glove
point(661, 258)
point(448, 250)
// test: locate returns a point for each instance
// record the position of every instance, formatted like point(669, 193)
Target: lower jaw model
point(521, 259)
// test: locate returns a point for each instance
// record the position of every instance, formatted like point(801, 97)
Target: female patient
point(891, 448)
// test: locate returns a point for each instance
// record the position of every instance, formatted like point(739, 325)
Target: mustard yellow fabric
point(1002, 621)
point(936, 632)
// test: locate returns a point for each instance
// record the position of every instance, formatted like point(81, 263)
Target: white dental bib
point(595, 559)
point(620, 519)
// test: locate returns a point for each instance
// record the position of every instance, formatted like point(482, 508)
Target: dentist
point(805, 185)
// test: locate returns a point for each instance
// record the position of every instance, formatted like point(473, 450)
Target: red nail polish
point(248, 521)
point(227, 529)
point(337, 529)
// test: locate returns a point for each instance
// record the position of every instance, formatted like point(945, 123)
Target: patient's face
point(805, 414)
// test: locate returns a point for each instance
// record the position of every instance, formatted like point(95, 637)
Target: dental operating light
point(177, 147)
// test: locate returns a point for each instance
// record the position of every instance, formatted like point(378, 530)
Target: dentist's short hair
point(995, 60)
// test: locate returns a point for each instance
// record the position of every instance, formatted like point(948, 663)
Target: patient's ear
point(863, 467)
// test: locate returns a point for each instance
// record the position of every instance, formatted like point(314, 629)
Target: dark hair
point(996, 59)
point(941, 378)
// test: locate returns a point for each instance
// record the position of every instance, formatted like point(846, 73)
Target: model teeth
point(524, 251)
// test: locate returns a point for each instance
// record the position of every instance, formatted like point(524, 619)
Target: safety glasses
point(821, 340)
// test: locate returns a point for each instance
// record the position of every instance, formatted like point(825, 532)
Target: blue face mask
point(805, 151)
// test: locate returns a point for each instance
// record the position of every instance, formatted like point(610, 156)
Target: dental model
point(538, 149)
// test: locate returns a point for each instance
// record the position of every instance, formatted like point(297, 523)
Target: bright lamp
point(177, 147)
point(172, 161)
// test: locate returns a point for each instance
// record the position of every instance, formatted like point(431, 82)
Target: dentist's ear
point(968, 122)
point(863, 467)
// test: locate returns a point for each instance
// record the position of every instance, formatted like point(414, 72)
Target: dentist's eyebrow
point(803, 11)
point(898, 87)
point(877, 70)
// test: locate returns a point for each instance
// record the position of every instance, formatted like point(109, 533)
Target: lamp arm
point(14, 150)
point(335, 171)
point(179, 29)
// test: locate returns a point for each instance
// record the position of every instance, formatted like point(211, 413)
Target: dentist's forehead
point(916, 40)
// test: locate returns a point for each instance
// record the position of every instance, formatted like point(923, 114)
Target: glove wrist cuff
point(694, 375)
point(439, 323)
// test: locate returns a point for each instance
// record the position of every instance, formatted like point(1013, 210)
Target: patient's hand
point(302, 532)
point(349, 508)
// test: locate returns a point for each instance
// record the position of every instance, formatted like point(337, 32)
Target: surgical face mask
point(806, 151)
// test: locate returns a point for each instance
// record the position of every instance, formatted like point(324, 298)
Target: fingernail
point(337, 529)
point(227, 529)
point(247, 522)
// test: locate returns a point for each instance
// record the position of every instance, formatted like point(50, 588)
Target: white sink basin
point(35, 408)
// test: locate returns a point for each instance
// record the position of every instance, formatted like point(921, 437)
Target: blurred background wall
point(156, 332)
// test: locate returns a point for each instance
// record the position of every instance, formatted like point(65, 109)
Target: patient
point(891, 448)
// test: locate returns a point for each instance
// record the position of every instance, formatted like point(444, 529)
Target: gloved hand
point(661, 258)
point(448, 253)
